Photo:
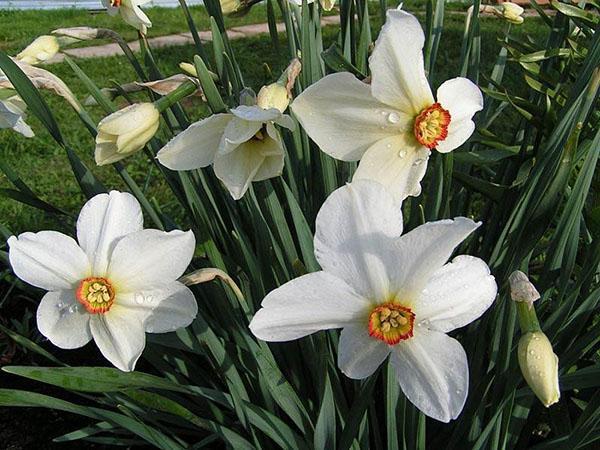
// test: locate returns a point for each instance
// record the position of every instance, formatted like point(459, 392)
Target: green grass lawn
point(44, 166)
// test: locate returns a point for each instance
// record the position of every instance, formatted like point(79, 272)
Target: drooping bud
point(41, 49)
point(511, 12)
point(230, 6)
point(539, 366)
point(125, 132)
point(273, 96)
point(521, 289)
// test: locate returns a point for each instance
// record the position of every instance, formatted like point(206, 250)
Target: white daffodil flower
point(391, 295)
point(40, 50)
point(12, 113)
point(130, 11)
point(243, 146)
point(114, 284)
point(392, 124)
point(125, 132)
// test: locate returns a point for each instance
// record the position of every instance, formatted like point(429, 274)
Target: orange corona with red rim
point(431, 125)
point(391, 323)
point(96, 294)
point(115, 3)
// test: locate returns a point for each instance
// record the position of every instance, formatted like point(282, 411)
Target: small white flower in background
point(391, 295)
point(40, 50)
point(512, 12)
point(521, 289)
point(130, 11)
point(12, 113)
point(539, 366)
point(243, 146)
point(392, 124)
point(125, 132)
point(113, 285)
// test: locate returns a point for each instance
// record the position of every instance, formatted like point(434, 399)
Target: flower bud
point(273, 96)
point(521, 289)
point(539, 366)
point(40, 50)
point(188, 68)
point(125, 132)
point(231, 6)
point(511, 12)
point(78, 33)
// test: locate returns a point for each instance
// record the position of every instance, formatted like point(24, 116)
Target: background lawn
point(44, 166)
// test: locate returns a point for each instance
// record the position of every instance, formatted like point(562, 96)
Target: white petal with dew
point(103, 220)
point(149, 259)
point(162, 310)
point(355, 122)
point(48, 260)
point(398, 163)
point(310, 303)
point(355, 231)
point(63, 320)
point(359, 355)
point(398, 73)
point(424, 250)
point(457, 294)
point(433, 373)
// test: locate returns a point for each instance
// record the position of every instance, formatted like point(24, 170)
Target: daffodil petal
point(310, 303)
point(63, 320)
point(237, 132)
point(398, 163)
point(103, 220)
point(120, 336)
point(424, 250)
point(256, 113)
point(196, 146)
point(355, 122)
point(359, 355)
point(150, 259)
point(48, 260)
point(355, 231)
point(457, 294)
point(162, 310)
point(398, 73)
point(238, 168)
point(433, 373)
point(462, 98)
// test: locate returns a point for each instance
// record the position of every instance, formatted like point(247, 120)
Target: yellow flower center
point(96, 294)
point(391, 323)
point(431, 125)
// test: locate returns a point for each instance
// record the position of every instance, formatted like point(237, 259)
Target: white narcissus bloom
point(130, 11)
point(12, 113)
point(392, 295)
point(41, 49)
point(125, 132)
point(114, 284)
point(243, 146)
point(392, 124)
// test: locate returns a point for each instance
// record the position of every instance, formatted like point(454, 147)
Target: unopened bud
point(188, 68)
point(41, 49)
point(511, 12)
point(521, 289)
point(79, 33)
point(539, 366)
point(273, 96)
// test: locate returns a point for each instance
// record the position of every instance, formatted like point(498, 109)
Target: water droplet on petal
point(402, 153)
point(531, 352)
point(458, 391)
point(393, 117)
point(418, 162)
point(60, 305)
point(389, 146)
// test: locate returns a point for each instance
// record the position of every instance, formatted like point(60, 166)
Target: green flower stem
point(527, 318)
point(187, 88)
